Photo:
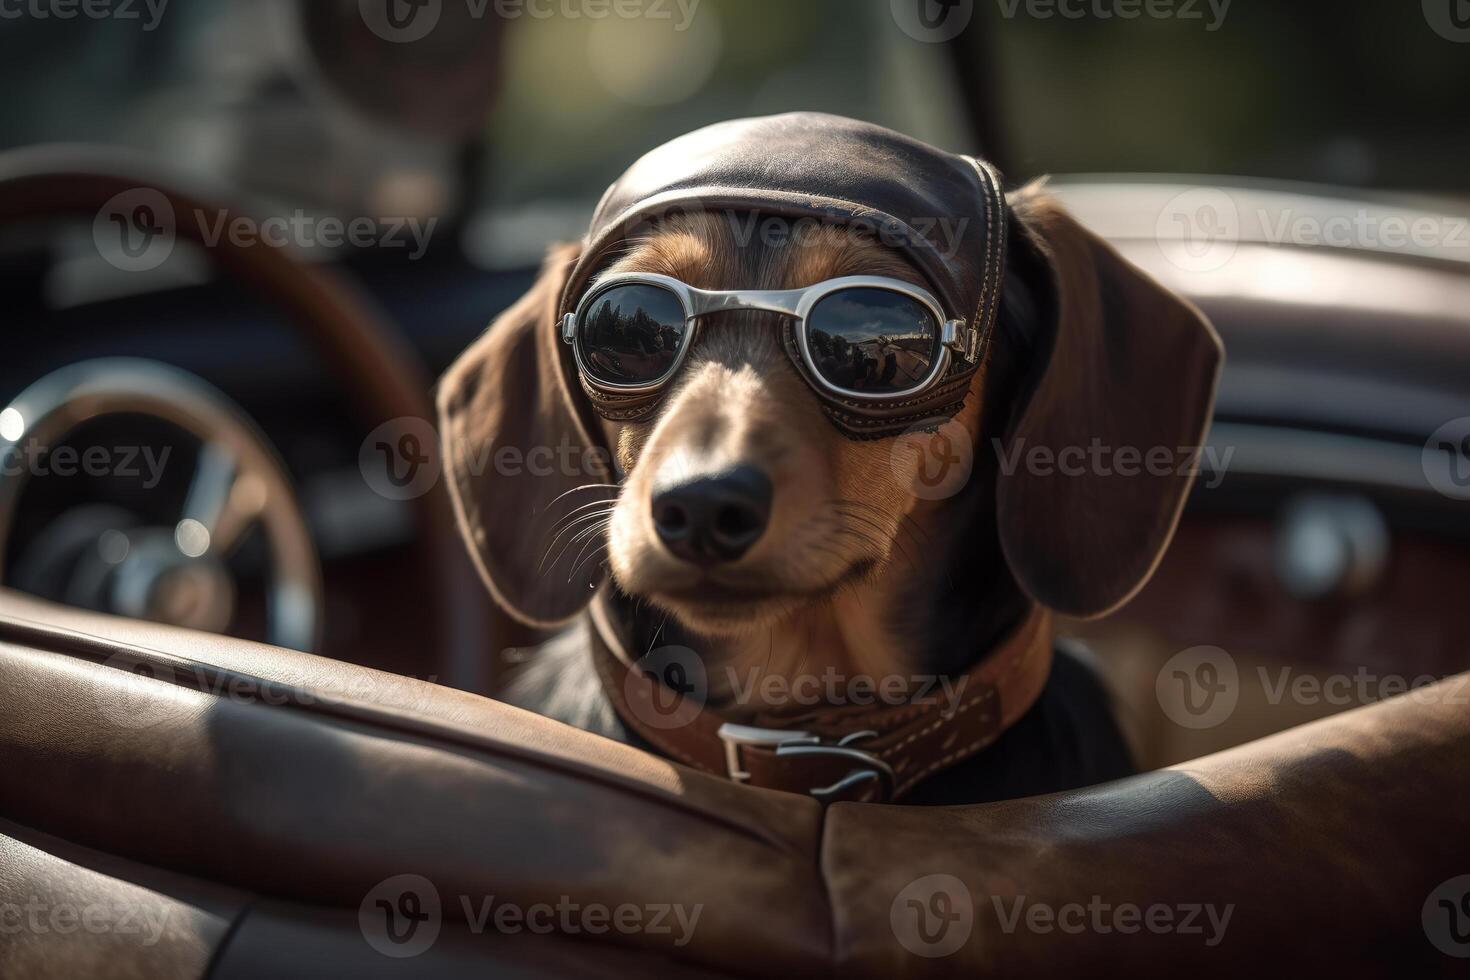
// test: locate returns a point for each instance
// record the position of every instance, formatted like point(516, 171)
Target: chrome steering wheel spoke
point(178, 573)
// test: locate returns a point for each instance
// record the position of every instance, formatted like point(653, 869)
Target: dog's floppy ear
point(1098, 461)
point(514, 449)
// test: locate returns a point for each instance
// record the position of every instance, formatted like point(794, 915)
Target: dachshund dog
point(744, 521)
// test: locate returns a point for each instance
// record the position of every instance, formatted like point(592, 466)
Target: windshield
point(517, 115)
point(1236, 88)
point(240, 90)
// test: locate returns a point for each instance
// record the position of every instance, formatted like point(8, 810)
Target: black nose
point(712, 519)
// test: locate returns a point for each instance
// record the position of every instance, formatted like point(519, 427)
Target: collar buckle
point(797, 745)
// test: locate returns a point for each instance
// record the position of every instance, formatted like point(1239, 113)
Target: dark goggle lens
point(630, 335)
point(872, 340)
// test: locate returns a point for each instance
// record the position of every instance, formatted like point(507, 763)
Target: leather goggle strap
point(852, 753)
point(621, 407)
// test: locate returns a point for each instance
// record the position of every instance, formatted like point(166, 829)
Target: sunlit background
point(520, 122)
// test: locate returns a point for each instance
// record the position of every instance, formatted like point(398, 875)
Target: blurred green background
point(1358, 93)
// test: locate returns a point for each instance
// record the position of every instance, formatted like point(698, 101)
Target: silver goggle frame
point(954, 335)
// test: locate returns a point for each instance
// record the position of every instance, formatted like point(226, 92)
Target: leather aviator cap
point(772, 176)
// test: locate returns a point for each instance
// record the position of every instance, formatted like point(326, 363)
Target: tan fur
point(812, 592)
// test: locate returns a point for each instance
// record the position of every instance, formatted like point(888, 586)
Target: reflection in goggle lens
point(631, 334)
point(872, 340)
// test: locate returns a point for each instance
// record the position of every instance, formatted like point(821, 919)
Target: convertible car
point(248, 675)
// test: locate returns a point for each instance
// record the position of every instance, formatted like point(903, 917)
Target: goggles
point(870, 339)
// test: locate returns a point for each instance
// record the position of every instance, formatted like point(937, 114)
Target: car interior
point(245, 681)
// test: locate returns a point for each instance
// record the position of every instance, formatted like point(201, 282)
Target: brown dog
point(823, 556)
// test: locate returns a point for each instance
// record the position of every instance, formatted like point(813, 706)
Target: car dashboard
point(1313, 540)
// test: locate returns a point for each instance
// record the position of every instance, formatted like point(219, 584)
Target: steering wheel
point(383, 377)
point(176, 574)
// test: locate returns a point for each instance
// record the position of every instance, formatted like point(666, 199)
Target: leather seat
point(252, 799)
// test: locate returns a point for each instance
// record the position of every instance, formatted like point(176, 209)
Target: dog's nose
point(712, 519)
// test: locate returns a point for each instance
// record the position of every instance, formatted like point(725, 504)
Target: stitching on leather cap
point(994, 229)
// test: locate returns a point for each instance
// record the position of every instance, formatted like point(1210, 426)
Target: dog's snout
point(711, 519)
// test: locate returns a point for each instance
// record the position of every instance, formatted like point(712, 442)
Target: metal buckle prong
point(830, 794)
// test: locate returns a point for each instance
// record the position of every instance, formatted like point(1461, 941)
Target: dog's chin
point(720, 616)
point(715, 608)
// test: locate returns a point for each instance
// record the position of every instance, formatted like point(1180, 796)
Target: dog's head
point(734, 500)
point(739, 500)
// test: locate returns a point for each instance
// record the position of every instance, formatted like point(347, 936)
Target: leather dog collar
point(867, 754)
point(945, 212)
